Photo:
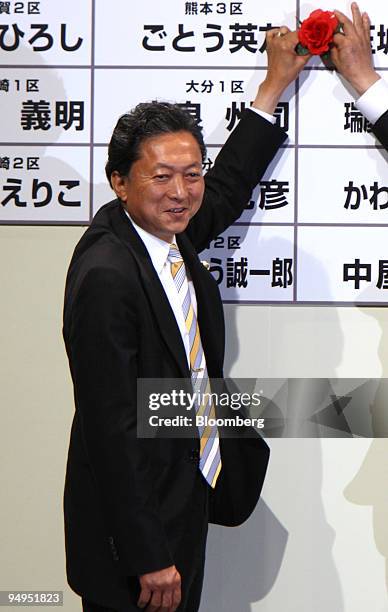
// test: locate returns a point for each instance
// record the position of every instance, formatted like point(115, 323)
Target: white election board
point(314, 231)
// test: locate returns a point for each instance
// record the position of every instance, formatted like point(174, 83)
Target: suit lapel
point(153, 288)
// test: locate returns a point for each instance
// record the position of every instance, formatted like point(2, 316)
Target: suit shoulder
point(100, 245)
point(106, 252)
point(102, 264)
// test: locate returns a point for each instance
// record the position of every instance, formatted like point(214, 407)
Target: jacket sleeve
point(102, 346)
point(238, 168)
point(380, 130)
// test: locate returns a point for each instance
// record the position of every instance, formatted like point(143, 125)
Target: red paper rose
point(317, 31)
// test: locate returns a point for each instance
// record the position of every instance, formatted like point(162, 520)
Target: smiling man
point(139, 304)
point(167, 175)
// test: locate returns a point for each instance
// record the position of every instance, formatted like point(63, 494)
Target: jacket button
point(113, 548)
point(194, 455)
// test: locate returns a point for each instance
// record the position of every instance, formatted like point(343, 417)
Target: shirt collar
point(157, 249)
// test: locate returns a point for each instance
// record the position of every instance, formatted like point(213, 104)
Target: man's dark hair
point(145, 120)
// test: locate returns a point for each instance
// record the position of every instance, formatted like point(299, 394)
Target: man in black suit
point(136, 510)
point(352, 57)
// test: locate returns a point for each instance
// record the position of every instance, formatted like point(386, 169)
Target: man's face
point(165, 186)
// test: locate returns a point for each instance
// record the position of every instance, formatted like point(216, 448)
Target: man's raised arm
point(352, 57)
point(250, 148)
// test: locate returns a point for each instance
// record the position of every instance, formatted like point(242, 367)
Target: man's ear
point(119, 184)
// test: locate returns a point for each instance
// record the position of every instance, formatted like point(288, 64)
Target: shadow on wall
point(283, 554)
point(369, 486)
point(243, 562)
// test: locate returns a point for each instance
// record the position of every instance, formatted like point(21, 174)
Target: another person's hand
point(352, 54)
point(160, 591)
point(284, 65)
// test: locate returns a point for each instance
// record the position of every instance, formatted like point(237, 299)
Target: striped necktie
point(210, 457)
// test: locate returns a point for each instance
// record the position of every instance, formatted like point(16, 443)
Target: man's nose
point(178, 188)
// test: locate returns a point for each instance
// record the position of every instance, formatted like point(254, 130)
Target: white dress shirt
point(270, 118)
point(374, 102)
point(158, 251)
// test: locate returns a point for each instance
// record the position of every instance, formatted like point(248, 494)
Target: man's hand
point(352, 54)
point(284, 65)
point(160, 591)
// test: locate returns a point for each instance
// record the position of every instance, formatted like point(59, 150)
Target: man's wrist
point(267, 97)
point(361, 83)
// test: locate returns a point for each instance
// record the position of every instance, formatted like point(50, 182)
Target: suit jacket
point(380, 129)
point(128, 500)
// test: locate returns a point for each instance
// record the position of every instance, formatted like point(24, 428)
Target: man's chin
point(179, 223)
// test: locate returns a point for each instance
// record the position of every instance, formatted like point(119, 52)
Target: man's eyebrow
point(171, 167)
